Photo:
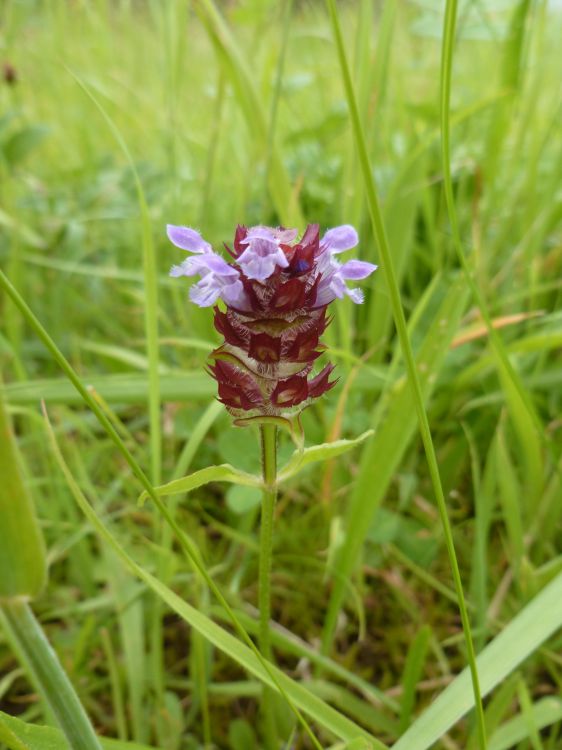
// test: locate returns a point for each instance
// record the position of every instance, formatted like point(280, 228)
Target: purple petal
point(180, 270)
point(281, 259)
point(235, 296)
point(204, 264)
point(257, 267)
point(357, 269)
point(204, 293)
point(286, 236)
point(330, 287)
point(188, 239)
point(340, 238)
point(356, 295)
point(261, 257)
point(259, 233)
point(216, 264)
point(324, 296)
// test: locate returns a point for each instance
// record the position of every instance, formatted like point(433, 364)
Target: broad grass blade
point(19, 735)
point(525, 633)
point(326, 716)
point(23, 566)
point(383, 453)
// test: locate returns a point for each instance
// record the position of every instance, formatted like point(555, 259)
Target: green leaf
point(524, 634)
point(318, 710)
point(18, 735)
point(394, 433)
point(316, 453)
point(241, 500)
point(241, 735)
point(221, 473)
point(544, 713)
point(23, 562)
point(20, 144)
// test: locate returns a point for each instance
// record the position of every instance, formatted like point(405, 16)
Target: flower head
point(276, 291)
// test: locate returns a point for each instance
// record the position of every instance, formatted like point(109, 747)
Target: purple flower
point(188, 239)
point(333, 274)
point(339, 239)
point(276, 289)
point(218, 278)
point(263, 252)
point(332, 283)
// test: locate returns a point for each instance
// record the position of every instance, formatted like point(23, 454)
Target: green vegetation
point(118, 117)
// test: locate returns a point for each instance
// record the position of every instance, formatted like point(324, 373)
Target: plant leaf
point(221, 473)
point(326, 716)
point(316, 453)
point(23, 561)
point(394, 433)
point(545, 712)
point(19, 735)
point(524, 634)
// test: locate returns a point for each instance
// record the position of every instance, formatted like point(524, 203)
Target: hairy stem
point(268, 439)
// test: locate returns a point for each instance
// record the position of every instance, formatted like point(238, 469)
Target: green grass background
point(128, 115)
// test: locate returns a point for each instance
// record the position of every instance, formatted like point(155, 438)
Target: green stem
point(268, 439)
point(49, 675)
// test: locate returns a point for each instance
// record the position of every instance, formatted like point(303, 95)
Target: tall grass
point(126, 116)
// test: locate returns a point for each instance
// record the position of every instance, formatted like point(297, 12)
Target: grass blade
point(383, 453)
point(150, 290)
point(525, 633)
point(317, 709)
point(282, 194)
point(189, 549)
point(23, 561)
point(525, 419)
point(400, 322)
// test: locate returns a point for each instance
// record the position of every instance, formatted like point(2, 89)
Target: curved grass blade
point(23, 559)
point(47, 673)
point(150, 288)
point(235, 66)
point(540, 619)
point(526, 421)
point(400, 322)
point(394, 433)
point(271, 676)
point(189, 549)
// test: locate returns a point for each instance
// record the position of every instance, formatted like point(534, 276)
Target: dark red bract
point(264, 365)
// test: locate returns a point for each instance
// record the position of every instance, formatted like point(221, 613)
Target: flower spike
point(276, 290)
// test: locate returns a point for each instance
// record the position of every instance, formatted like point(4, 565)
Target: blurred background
point(119, 116)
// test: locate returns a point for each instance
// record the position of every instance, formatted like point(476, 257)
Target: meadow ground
point(120, 117)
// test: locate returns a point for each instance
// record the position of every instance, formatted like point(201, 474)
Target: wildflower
point(276, 293)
